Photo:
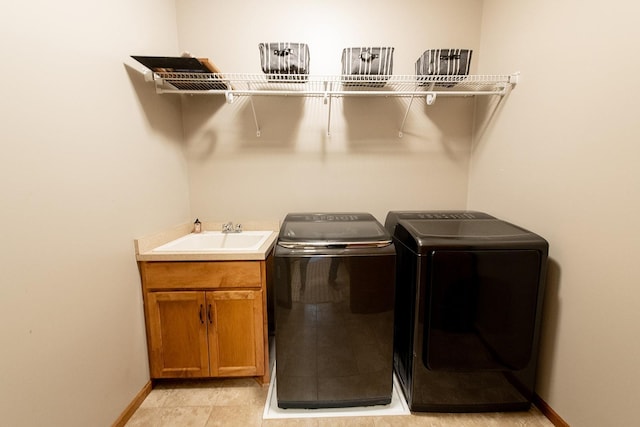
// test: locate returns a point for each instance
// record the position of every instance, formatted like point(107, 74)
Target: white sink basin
point(216, 241)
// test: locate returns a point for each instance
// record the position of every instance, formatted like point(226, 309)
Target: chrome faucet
point(230, 228)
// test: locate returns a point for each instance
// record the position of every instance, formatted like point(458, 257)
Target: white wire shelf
point(329, 86)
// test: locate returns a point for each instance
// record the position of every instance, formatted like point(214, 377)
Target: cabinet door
point(236, 340)
point(177, 334)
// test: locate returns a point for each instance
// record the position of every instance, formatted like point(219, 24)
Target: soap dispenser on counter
point(197, 226)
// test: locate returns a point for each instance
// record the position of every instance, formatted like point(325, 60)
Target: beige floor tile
point(184, 397)
point(347, 422)
point(431, 420)
point(237, 382)
point(241, 396)
point(240, 402)
point(495, 419)
point(170, 417)
point(292, 422)
point(195, 416)
point(156, 398)
point(235, 416)
point(146, 417)
point(532, 419)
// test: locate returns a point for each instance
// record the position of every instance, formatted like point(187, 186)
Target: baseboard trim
point(135, 404)
point(548, 412)
point(544, 407)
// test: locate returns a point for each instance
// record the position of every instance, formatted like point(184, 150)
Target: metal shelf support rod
point(406, 113)
point(258, 92)
point(255, 117)
point(329, 118)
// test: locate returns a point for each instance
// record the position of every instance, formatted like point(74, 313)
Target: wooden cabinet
point(235, 333)
point(206, 318)
point(176, 335)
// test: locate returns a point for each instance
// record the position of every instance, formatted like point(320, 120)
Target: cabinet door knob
point(209, 315)
point(200, 314)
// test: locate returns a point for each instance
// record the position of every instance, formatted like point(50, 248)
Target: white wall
point(560, 157)
point(294, 165)
point(91, 159)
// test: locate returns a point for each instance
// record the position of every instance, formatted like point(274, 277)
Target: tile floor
point(240, 402)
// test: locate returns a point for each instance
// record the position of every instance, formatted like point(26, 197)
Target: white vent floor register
point(398, 406)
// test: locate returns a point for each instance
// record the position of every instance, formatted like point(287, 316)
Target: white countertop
point(145, 245)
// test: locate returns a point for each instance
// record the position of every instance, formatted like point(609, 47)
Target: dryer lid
point(465, 228)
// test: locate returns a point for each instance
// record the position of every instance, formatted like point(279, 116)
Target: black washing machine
point(334, 302)
point(469, 294)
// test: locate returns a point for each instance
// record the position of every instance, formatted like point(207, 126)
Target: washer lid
point(332, 230)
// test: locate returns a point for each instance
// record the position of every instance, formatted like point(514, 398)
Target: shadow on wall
point(278, 120)
point(156, 107)
point(371, 120)
point(452, 120)
point(210, 122)
point(200, 139)
point(199, 109)
point(487, 110)
point(373, 124)
point(549, 332)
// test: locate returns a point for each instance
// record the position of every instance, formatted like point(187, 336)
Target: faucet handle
point(230, 228)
